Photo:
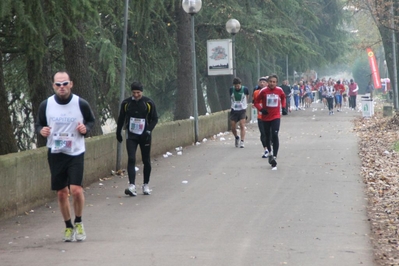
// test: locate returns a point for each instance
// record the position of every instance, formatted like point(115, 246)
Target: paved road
point(220, 205)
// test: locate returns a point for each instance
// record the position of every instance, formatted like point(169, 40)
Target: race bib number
point(272, 100)
point(63, 142)
point(237, 106)
point(137, 125)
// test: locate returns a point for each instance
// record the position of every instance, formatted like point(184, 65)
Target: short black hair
point(236, 81)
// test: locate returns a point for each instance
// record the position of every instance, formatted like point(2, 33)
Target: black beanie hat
point(136, 86)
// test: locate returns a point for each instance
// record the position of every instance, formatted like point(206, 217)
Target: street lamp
point(233, 27)
point(192, 7)
point(123, 77)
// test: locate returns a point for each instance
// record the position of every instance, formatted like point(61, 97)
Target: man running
point(268, 102)
point(64, 119)
point(239, 101)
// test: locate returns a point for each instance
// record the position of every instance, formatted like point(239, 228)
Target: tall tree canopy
point(39, 37)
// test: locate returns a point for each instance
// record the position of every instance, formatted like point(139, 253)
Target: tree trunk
point(77, 64)
point(386, 36)
point(8, 144)
point(39, 87)
point(246, 78)
point(201, 100)
point(184, 93)
point(223, 85)
point(212, 96)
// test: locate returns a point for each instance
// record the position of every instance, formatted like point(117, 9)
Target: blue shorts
point(338, 99)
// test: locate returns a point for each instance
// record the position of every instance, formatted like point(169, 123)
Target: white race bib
point(63, 142)
point(272, 100)
point(238, 106)
point(137, 125)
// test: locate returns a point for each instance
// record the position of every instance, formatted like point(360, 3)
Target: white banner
point(220, 57)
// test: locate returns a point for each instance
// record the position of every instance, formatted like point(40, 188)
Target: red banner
point(374, 69)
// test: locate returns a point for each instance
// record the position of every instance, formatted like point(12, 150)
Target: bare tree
point(8, 144)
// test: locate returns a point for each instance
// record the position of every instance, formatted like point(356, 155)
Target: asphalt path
point(220, 205)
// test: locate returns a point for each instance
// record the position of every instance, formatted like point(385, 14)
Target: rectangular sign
point(374, 69)
point(220, 57)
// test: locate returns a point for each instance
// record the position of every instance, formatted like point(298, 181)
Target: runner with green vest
point(239, 101)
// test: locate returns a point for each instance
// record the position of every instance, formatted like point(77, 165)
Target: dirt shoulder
point(378, 138)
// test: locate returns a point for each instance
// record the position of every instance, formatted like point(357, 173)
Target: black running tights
point(271, 131)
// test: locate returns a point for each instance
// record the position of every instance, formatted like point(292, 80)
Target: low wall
point(25, 176)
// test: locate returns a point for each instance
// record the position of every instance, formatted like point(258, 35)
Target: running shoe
point(146, 189)
point(274, 168)
point(80, 232)
point(273, 161)
point(237, 141)
point(242, 144)
point(266, 154)
point(270, 158)
point(69, 234)
point(131, 191)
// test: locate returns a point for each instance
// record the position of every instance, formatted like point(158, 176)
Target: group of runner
point(333, 94)
point(272, 100)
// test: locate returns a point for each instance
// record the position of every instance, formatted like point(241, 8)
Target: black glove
point(119, 137)
point(147, 135)
point(284, 111)
point(264, 112)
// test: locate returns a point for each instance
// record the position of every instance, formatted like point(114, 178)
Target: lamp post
point(192, 7)
point(123, 77)
point(258, 56)
point(233, 27)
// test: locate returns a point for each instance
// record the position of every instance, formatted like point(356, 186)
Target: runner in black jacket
point(138, 116)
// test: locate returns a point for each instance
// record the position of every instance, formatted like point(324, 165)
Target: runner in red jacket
point(268, 102)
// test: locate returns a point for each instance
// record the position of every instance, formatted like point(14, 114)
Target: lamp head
point(192, 6)
point(233, 26)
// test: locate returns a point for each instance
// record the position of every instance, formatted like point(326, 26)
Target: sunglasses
point(59, 84)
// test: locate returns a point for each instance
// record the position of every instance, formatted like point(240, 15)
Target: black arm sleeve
point(88, 116)
point(41, 119)
point(121, 117)
point(152, 116)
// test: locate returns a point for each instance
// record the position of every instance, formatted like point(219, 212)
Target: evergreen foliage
point(32, 33)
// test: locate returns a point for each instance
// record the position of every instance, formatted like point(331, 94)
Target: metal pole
point(123, 77)
point(234, 56)
point(193, 60)
point(293, 77)
point(257, 50)
point(395, 69)
point(286, 67)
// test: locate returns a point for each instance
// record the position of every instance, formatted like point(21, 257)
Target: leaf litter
point(378, 151)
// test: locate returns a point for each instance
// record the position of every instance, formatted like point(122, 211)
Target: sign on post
point(220, 57)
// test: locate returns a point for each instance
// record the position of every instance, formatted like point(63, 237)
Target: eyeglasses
point(59, 84)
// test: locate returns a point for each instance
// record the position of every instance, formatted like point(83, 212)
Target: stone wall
point(25, 176)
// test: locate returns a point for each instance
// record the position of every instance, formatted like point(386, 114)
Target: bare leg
point(63, 203)
point(233, 127)
point(78, 199)
point(242, 128)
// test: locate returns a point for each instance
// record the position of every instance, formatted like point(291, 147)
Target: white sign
point(220, 57)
